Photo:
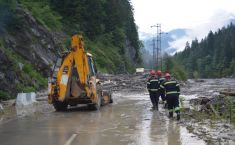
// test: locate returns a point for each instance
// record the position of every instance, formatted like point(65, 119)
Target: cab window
point(91, 66)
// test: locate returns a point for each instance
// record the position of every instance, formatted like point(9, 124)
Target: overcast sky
point(198, 15)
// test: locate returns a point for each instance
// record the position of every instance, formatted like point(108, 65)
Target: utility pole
point(156, 50)
point(154, 54)
point(160, 46)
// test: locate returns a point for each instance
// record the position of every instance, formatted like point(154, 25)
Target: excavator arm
point(76, 59)
point(76, 81)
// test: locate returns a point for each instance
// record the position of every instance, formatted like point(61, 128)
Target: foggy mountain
point(166, 38)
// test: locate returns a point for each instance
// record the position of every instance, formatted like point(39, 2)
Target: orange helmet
point(167, 75)
point(152, 72)
point(159, 73)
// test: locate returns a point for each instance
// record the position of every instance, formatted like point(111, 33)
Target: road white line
point(71, 139)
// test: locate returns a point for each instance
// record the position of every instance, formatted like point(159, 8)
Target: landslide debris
point(124, 82)
point(207, 113)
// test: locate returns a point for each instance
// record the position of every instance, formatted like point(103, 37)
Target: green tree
point(212, 56)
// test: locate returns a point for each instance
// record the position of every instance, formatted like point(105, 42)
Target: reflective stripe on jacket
point(161, 80)
point(170, 87)
point(153, 84)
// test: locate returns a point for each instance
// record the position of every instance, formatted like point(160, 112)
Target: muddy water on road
point(136, 124)
point(129, 121)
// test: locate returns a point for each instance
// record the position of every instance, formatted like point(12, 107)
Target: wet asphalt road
point(128, 121)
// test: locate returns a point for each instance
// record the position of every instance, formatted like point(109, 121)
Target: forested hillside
point(212, 57)
point(34, 32)
point(107, 25)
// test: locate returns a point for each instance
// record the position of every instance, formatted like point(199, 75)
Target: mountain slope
point(34, 33)
point(27, 51)
point(109, 25)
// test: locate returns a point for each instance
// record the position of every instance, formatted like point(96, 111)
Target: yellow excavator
point(74, 80)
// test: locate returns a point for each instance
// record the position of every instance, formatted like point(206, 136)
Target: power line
point(157, 49)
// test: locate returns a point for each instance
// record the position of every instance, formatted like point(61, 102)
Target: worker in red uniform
point(153, 87)
point(171, 90)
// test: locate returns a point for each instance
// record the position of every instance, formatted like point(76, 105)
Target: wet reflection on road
point(129, 121)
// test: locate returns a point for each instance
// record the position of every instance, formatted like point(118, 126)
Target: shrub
point(4, 95)
point(40, 80)
point(28, 89)
point(43, 13)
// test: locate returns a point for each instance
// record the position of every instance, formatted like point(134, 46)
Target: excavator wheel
point(98, 103)
point(110, 97)
point(109, 94)
point(99, 99)
point(60, 106)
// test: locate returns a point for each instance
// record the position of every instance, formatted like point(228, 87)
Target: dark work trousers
point(154, 97)
point(162, 96)
point(173, 103)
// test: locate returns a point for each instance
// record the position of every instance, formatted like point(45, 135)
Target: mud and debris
point(7, 112)
point(211, 131)
point(11, 111)
point(124, 83)
point(206, 112)
point(199, 99)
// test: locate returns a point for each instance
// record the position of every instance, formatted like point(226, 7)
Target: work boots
point(178, 116)
point(153, 107)
point(165, 105)
point(170, 114)
point(156, 107)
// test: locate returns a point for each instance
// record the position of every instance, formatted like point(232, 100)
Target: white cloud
point(218, 20)
point(198, 16)
point(179, 43)
point(177, 13)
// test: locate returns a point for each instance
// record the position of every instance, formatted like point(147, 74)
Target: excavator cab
point(75, 82)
